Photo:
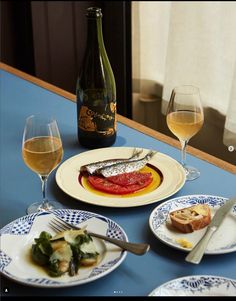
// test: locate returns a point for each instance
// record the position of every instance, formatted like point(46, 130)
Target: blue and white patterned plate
point(17, 238)
point(220, 243)
point(202, 285)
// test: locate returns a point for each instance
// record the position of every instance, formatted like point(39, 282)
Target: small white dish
point(199, 285)
point(222, 241)
point(68, 173)
point(17, 238)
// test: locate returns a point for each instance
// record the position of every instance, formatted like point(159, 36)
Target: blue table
point(136, 276)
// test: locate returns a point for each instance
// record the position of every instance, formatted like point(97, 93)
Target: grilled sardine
point(125, 167)
point(93, 167)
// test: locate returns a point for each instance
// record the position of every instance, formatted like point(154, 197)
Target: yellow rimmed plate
point(68, 174)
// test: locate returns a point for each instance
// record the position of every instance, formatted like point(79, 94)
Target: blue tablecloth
point(136, 276)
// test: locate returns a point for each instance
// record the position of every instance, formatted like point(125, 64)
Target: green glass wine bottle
point(96, 89)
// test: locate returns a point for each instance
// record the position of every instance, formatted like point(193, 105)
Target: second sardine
point(125, 167)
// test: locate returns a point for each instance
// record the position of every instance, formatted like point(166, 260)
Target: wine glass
point(185, 118)
point(42, 152)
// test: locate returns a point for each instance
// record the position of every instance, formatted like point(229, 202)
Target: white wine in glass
point(185, 118)
point(42, 151)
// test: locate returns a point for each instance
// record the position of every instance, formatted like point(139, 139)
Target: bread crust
point(192, 218)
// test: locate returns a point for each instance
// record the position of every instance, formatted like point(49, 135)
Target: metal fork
point(59, 225)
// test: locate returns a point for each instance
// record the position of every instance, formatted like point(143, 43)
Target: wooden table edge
point(128, 122)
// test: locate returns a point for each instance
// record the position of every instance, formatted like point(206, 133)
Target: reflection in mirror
point(177, 43)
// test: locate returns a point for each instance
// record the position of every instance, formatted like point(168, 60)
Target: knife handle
point(197, 252)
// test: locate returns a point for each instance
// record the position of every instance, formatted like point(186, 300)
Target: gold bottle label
point(99, 119)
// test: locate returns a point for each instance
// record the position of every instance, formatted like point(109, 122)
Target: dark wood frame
point(16, 35)
point(117, 36)
point(47, 39)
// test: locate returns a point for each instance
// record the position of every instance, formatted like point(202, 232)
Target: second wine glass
point(185, 118)
point(42, 152)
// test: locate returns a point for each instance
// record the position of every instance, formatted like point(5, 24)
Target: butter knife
point(196, 254)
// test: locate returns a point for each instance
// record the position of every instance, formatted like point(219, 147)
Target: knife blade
point(196, 254)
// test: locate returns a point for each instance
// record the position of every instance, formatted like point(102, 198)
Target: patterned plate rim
point(228, 249)
point(193, 278)
point(47, 283)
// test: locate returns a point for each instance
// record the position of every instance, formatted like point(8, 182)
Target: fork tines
point(59, 225)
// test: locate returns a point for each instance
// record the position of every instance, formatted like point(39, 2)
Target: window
point(179, 43)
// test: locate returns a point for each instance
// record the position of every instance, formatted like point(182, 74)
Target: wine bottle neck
point(95, 36)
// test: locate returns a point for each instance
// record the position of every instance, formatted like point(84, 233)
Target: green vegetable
point(89, 255)
point(72, 268)
point(53, 269)
point(76, 258)
point(65, 257)
point(81, 239)
point(42, 250)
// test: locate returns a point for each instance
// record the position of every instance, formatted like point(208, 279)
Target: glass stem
point(183, 151)
point(45, 204)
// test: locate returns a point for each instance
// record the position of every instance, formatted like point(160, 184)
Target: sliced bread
point(191, 218)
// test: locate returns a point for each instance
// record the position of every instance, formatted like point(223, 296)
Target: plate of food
point(44, 258)
point(197, 285)
point(181, 222)
point(120, 177)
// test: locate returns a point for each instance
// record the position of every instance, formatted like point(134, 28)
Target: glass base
point(191, 173)
point(37, 207)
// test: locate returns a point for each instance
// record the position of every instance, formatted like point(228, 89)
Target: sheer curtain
point(195, 43)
